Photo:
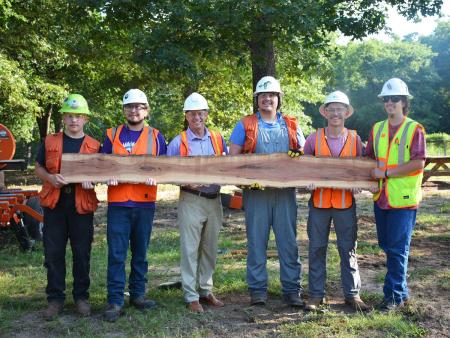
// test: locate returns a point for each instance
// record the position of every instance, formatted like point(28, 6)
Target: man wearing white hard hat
point(269, 131)
point(328, 204)
point(131, 207)
point(199, 208)
point(398, 145)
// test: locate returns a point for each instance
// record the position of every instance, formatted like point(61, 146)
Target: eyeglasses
point(394, 98)
point(131, 107)
point(193, 113)
point(335, 110)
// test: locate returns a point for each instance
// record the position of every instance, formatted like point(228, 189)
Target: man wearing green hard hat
point(68, 209)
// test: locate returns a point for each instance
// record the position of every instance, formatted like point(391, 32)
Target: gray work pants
point(345, 225)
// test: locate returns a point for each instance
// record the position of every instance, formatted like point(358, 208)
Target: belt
point(67, 189)
point(200, 193)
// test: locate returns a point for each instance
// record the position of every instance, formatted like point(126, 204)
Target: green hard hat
point(76, 104)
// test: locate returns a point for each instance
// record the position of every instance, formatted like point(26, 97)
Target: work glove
point(256, 186)
point(253, 186)
point(295, 152)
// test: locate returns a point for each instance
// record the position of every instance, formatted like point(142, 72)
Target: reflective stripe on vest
point(215, 138)
point(146, 144)
point(401, 192)
point(250, 124)
point(85, 199)
point(328, 197)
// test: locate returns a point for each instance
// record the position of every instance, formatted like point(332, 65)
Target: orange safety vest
point(250, 123)
point(146, 144)
point(328, 197)
point(85, 199)
point(216, 141)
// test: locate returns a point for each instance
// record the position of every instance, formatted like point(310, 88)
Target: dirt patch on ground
point(430, 306)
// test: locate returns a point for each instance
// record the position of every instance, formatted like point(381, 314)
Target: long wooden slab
point(274, 170)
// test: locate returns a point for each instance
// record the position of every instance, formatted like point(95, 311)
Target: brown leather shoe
point(53, 309)
point(211, 300)
point(83, 307)
point(195, 307)
point(312, 304)
point(357, 303)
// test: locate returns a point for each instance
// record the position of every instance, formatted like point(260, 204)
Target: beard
point(134, 123)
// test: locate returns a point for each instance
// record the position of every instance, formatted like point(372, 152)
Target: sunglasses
point(393, 99)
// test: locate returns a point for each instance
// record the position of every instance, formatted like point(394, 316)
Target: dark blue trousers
point(127, 227)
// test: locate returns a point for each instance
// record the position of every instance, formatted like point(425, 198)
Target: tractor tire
point(34, 227)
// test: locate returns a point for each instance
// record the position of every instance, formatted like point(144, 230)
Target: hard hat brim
point(409, 96)
point(74, 111)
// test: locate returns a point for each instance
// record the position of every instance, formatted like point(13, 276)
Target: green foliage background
point(101, 49)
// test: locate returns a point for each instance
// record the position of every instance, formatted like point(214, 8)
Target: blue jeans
point(276, 208)
point(127, 226)
point(394, 230)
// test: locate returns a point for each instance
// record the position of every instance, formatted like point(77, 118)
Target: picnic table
point(440, 167)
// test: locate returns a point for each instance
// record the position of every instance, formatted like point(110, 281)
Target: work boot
point(83, 307)
point(293, 299)
point(258, 299)
point(312, 304)
point(390, 305)
point(112, 313)
point(211, 300)
point(53, 309)
point(195, 307)
point(357, 303)
point(143, 303)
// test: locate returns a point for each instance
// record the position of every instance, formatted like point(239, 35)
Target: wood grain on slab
point(269, 170)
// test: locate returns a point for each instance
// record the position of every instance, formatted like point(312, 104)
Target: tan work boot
point(312, 304)
point(357, 303)
point(53, 309)
point(195, 307)
point(211, 300)
point(83, 307)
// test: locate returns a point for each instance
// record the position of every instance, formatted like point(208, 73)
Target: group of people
point(397, 144)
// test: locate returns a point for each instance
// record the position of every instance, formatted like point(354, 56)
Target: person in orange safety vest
point(68, 209)
point(131, 208)
point(327, 204)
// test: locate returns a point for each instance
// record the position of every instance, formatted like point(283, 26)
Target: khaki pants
point(199, 220)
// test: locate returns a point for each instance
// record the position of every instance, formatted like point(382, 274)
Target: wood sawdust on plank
point(269, 170)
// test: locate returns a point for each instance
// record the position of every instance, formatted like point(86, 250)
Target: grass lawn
point(23, 280)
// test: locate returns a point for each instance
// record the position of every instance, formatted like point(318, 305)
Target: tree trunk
point(262, 53)
point(43, 122)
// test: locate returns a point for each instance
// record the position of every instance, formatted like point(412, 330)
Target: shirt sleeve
point(106, 147)
point(418, 145)
point(162, 147)
point(40, 157)
point(369, 146)
point(300, 137)
point(310, 144)
point(224, 146)
point(174, 146)
point(238, 134)
point(358, 146)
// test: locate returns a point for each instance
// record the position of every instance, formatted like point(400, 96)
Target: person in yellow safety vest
point(398, 145)
point(68, 209)
point(328, 204)
point(131, 208)
point(199, 208)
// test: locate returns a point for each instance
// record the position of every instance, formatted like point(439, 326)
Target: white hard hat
point(338, 97)
point(395, 86)
point(134, 96)
point(268, 84)
point(195, 101)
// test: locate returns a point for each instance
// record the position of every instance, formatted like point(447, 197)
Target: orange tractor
point(19, 209)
